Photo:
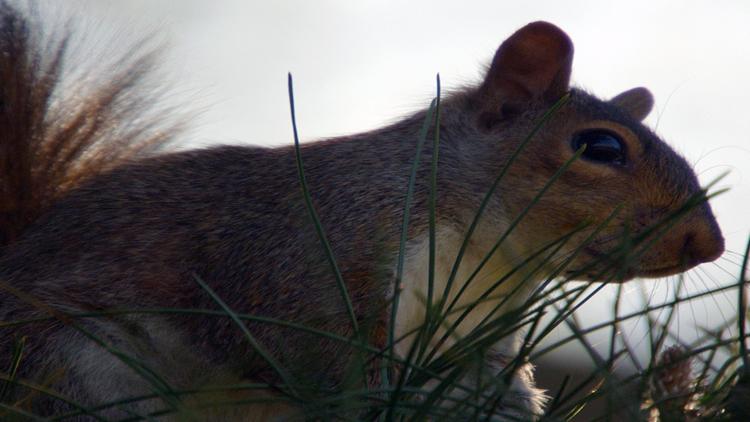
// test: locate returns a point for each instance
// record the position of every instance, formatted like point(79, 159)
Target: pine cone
point(673, 384)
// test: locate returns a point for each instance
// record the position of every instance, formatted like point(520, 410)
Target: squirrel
point(98, 218)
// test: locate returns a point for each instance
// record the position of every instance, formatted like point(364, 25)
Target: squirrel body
point(117, 229)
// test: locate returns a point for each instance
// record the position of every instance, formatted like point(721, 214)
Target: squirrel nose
point(703, 241)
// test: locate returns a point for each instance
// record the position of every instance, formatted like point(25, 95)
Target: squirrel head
point(624, 167)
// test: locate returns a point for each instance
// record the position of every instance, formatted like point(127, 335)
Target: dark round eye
point(602, 146)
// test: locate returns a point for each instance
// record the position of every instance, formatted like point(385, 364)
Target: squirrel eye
point(602, 146)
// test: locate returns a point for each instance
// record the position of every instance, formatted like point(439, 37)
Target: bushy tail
point(50, 140)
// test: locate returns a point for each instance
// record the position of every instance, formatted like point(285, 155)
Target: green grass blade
point(432, 209)
point(14, 364)
point(742, 309)
point(316, 220)
point(405, 224)
point(402, 249)
point(283, 374)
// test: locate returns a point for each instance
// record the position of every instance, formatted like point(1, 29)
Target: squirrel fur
point(96, 217)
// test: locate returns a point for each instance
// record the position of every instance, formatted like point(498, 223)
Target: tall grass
point(673, 378)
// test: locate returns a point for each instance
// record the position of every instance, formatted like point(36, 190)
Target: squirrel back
point(95, 226)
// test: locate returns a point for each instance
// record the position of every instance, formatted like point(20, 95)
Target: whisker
point(724, 270)
point(731, 252)
point(728, 260)
point(713, 297)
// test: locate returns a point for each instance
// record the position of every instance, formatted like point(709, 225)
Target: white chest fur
point(490, 293)
point(479, 296)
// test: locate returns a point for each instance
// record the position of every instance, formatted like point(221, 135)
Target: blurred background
point(361, 64)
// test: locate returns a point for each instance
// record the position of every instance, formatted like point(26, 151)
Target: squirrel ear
point(534, 63)
point(638, 102)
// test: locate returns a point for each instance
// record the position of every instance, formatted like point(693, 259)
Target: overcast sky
point(360, 64)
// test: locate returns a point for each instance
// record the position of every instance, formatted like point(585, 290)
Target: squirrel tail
point(56, 133)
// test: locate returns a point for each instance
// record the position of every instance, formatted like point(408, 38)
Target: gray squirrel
point(96, 218)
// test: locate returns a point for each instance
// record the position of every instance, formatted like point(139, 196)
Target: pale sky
point(359, 64)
